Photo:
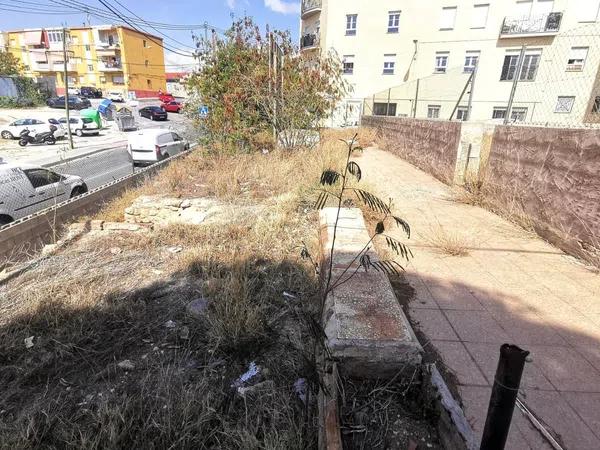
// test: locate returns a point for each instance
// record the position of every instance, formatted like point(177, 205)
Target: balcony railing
point(309, 40)
point(42, 67)
point(545, 24)
point(110, 66)
point(310, 7)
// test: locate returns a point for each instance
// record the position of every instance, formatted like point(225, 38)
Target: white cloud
point(282, 7)
point(230, 4)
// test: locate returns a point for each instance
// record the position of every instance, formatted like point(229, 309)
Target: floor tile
point(433, 324)
point(457, 359)
point(477, 326)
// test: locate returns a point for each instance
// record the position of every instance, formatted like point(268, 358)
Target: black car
point(153, 113)
point(90, 92)
point(75, 102)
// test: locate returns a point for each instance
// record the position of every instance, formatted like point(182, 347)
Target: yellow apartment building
point(108, 57)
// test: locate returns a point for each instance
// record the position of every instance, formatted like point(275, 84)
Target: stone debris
point(115, 250)
point(197, 308)
point(300, 388)
point(170, 324)
point(176, 249)
point(29, 341)
point(184, 333)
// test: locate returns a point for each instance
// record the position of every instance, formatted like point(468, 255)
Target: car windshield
point(155, 109)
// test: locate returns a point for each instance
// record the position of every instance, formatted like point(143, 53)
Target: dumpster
point(125, 120)
point(92, 114)
point(107, 109)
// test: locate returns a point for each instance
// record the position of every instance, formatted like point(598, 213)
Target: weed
point(449, 243)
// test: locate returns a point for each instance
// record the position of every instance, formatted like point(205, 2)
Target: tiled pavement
point(511, 287)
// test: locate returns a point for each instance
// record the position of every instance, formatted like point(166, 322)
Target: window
point(389, 64)
point(587, 10)
point(448, 18)
point(384, 109)
point(479, 16)
point(471, 59)
point(596, 105)
point(81, 79)
point(433, 111)
point(55, 36)
point(348, 62)
point(87, 47)
point(351, 24)
point(577, 59)
point(564, 104)
point(146, 63)
point(116, 79)
point(90, 67)
point(41, 177)
point(441, 62)
point(149, 83)
point(518, 114)
point(144, 43)
point(462, 113)
point(393, 21)
point(528, 69)
point(499, 113)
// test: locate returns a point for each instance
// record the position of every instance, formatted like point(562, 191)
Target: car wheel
point(79, 133)
point(77, 191)
point(5, 220)
point(7, 135)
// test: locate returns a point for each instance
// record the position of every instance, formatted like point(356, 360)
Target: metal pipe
point(513, 89)
point(503, 398)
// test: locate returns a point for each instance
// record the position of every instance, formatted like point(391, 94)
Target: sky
point(278, 14)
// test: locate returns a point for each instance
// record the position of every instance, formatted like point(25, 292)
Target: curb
point(82, 155)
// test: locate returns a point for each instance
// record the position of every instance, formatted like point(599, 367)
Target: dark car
point(75, 102)
point(153, 113)
point(90, 92)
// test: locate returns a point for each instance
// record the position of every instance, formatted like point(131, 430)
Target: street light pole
point(66, 79)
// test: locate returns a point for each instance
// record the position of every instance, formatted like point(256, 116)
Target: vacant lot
point(98, 348)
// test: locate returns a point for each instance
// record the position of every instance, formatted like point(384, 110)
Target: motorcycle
point(47, 137)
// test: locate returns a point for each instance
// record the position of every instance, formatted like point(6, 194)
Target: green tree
point(246, 97)
point(9, 64)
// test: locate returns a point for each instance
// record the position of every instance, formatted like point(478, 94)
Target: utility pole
point(66, 79)
point(414, 114)
point(513, 90)
point(470, 103)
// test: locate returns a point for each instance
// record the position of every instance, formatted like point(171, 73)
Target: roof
point(172, 75)
point(98, 27)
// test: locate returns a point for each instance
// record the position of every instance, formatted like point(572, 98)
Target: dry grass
point(106, 299)
point(450, 243)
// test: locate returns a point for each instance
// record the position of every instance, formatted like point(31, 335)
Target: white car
point(81, 126)
point(115, 96)
point(25, 189)
point(154, 144)
point(13, 130)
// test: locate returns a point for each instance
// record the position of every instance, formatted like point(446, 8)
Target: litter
point(252, 371)
point(300, 387)
point(287, 294)
point(29, 341)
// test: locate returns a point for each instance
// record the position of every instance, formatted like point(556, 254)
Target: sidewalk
point(511, 287)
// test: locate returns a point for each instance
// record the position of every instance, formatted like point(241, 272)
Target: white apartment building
point(387, 46)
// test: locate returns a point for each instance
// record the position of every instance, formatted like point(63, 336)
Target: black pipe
point(503, 398)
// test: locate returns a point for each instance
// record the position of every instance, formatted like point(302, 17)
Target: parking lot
point(109, 138)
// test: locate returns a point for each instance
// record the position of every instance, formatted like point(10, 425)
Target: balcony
point(544, 25)
point(309, 41)
point(43, 67)
point(310, 7)
point(110, 66)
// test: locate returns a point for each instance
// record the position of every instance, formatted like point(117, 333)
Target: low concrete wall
point(29, 234)
point(431, 145)
point(554, 175)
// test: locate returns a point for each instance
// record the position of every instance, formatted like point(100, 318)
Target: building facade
point(542, 54)
point(111, 58)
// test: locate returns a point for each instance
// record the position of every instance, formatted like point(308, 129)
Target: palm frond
point(388, 267)
point(403, 224)
point(358, 148)
point(354, 169)
point(365, 261)
point(329, 177)
point(398, 247)
point(379, 228)
point(322, 200)
point(373, 202)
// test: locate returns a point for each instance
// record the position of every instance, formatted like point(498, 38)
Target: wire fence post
point(387, 108)
point(513, 89)
point(414, 114)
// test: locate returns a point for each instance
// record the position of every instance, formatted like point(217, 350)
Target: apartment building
point(550, 47)
point(110, 57)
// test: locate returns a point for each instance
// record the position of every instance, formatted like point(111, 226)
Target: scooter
point(47, 137)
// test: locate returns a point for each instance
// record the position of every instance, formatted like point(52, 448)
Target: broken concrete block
point(96, 225)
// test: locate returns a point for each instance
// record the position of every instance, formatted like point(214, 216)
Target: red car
point(165, 97)
point(172, 106)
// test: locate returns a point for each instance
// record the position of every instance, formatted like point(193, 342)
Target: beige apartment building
point(545, 51)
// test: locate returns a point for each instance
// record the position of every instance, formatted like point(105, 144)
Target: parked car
point(25, 189)
point(81, 125)
point(90, 92)
point(116, 96)
point(13, 130)
point(173, 106)
point(154, 144)
point(165, 97)
point(75, 102)
point(153, 113)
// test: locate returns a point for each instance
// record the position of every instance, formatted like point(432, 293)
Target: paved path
point(512, 287)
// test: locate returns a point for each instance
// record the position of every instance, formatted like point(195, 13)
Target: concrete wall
point(553, 174)
point(26, 236)
point(431, 145)
point(8, 87)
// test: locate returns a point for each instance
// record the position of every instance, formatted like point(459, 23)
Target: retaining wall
point(554, 175)
point(431, 145)
point(29, 234)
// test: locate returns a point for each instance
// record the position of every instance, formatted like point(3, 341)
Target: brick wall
point(431, 145)
point(554, 175)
